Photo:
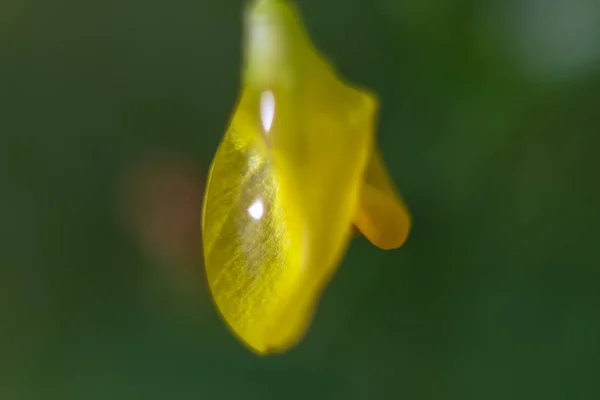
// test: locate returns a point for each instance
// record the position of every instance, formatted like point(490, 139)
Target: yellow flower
point(296, 168)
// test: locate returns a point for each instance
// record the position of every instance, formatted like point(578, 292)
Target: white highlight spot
point(256, 210)
point(267, 109)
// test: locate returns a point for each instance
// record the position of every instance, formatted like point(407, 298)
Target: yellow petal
point(381, 215)
point(285, 182)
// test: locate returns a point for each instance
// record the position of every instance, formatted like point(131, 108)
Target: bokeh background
point(110, 112)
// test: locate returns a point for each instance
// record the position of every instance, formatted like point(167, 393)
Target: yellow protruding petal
point(381, 215)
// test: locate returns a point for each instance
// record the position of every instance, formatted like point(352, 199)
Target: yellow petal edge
point(295, 169)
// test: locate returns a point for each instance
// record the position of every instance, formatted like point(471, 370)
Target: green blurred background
point(110, 112)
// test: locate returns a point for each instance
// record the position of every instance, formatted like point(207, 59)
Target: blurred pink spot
point(161, 199)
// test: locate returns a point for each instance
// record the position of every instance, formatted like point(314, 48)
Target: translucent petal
point(286, 183)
